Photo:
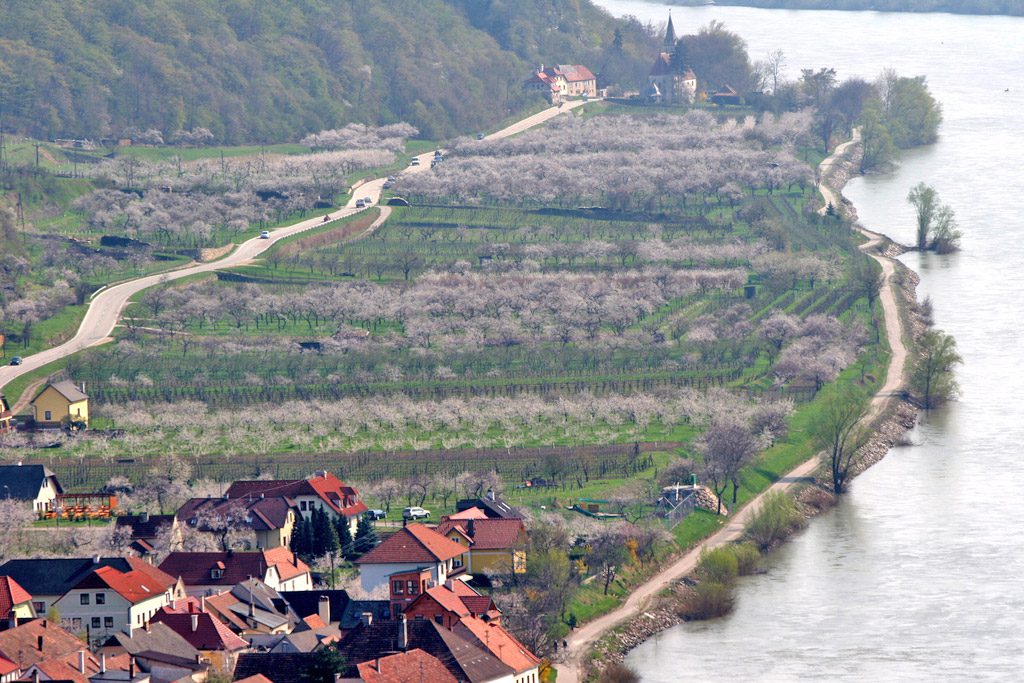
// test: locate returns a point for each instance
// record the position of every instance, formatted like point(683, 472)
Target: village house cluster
point(262, 615)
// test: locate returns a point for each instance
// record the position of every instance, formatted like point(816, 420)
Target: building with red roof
point(322, 491)
point(493, 637)
point(496, 546)
point(272, 519)
point(109, 600)
point(15, 604)
point(449, 603)
point(414, 665)
point(412, 548)
point(206, 633)
point(206, 573)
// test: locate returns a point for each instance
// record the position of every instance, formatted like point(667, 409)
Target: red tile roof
point(413, 544)
point(414, 665)
point(488, 534)
point(20, 644)
point(210, 632)
point(261, 514)
point(143, 582)
point(11, 594)
point(471, 513)
point(338, 496)
point(499, 642)
point(257, 678)
point(7, 666)
point(194, 568)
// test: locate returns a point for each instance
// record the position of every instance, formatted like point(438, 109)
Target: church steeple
point(670, 35)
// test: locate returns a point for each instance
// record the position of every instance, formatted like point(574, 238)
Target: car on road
point(415, 161)
point(388, 184)
point(16, 360)
point(375, 514)
point(367, 200)
point(479, 136)
point(415, 512)
point(360, 204)
point(265, 235)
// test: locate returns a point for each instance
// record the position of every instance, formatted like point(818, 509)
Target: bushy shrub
point(777, 518)
point(718, 566)
point(748, 558)
point(707, 600)
point(618, 673)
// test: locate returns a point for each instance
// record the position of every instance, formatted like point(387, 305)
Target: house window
point(39, 606)
point(302, 505)
point(95, 622)
point(108, 622)
point(397, 587)
point(438, 619)
point(410, 587)
point(83, 599)
point(76, 624)
point(47, 415)
point(216, 573)
point(458, 563)
point(101, 598)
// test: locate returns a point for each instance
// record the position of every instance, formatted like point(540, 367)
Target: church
point(664, 84)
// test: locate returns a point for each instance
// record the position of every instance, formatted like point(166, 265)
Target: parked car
point(415, 512)
point(388, 184)
point(375, 514)
point(367, 200)
point(415, 161)
point(392, 178)
point(360, 204)
point(265, 235)
point(479, 136)
point(16, 360)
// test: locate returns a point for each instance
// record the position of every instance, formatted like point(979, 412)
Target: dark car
point(16, 360)
point(375, 514)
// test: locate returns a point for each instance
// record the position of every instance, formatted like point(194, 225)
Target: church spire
point(670, 34)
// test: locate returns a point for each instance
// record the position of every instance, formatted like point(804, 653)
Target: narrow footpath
point(581, 640)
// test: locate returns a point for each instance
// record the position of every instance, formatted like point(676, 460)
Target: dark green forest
point(1010, 7)
point(263, 70)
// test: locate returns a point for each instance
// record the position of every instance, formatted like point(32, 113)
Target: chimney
point(144, 517)
point(471, 528)
point(103, 663)
point(83, 387)
point(131, 668)
point(252, 608)
point(35, 676)
point(490, 495)
point(149, 627)
point(195, 623)
point(403, 632)
point(81, 661)
point(366, 618)
point(39, 643)
point(202, 604)
point(96, 559)
point(324, 609)
point(378, 664)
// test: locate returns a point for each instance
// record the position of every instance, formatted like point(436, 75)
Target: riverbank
point(608, 639)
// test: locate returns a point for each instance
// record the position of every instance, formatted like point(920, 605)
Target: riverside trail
point(581, 640)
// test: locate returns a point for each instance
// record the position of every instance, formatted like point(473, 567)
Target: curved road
point(581, 640)
point(106, 306)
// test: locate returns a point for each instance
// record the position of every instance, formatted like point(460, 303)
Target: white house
point(108, 600)
point(414, 547)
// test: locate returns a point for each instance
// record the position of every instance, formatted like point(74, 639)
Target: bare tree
point(838, 431)
point(727, 446)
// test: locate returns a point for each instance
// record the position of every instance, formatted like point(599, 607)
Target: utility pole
point(37, 156)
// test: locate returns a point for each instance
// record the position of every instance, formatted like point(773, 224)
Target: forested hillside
point(256, 71)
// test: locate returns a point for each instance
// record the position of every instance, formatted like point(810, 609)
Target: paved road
point(106, 306)
point(581, 640)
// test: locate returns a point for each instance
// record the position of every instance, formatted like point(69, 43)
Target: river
point(917, 574)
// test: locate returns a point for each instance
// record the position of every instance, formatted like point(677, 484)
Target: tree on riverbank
point(838, 432)
point(932, 379)
point(936, 223)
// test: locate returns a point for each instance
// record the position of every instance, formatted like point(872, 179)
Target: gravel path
point(581, 639)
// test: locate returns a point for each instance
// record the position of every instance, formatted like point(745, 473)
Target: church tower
point(670, 36)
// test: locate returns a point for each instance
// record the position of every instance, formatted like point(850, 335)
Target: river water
point(919, 573)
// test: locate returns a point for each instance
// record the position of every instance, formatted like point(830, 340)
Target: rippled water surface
point(919, 575)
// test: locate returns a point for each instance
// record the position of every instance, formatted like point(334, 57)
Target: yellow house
point(60, 400)
point(17, 601)
point(496, 546)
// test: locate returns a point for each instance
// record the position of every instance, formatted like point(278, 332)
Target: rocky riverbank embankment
point(815, 496)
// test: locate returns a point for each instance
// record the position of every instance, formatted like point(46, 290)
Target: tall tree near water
point(838, 431)
point(932, 378)
point(717, 56)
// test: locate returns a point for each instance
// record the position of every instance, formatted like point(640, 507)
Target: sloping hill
point(256, 70)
